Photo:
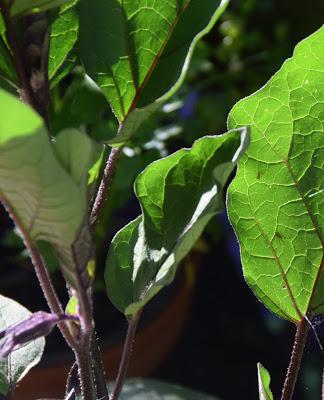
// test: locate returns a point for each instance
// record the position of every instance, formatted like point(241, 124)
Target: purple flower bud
point(37, 325)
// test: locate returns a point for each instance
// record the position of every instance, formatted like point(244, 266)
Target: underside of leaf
point(16, 365)
point(44, 187)
point(276, 201)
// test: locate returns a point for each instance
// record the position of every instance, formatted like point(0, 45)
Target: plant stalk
point(105, 185)
point(85, 369)
point(49, 292)
point(295, 360)
point(99, 371)
point(43, 278)
point(127, 352)
point(81, 349)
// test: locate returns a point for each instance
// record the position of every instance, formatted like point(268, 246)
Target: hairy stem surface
point(295, 360)
point(99, 371)
point(127, 352)
point(85, 369)
point(43, 278)
point(105, 185)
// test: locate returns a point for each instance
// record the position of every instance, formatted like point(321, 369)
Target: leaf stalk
point(127, 352)
point(105, 185)
point(295, 360)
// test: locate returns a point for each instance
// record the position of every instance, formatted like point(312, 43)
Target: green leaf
point(144, 255)
point(276, 201)
point(139, 51)
point(29, 6)
point(131, 124)
point(70, 147)
point(7, 69)
point(72, 306)
point(41, 187)
point(264, 384)
point(149, 389)
point(68, 65)
point(14, 367)
point(64, 34)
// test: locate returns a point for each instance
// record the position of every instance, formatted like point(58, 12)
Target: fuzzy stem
point(85, 369)
point(105, 185)
point(295, 360)
point(49, 291)
point(127, 352)
point(43, 277)
point(99, 371)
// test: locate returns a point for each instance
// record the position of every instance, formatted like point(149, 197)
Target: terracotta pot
point(153, 342)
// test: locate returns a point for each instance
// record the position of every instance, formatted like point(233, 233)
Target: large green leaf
point(14, 367)
point(44, 189)
point(139, 51)
point(178, 195)
point(64, 34)
point(264, 384)
point(276, 201)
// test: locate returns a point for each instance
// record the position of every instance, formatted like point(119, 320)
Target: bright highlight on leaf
point(276, 201)
point(17, 364)
point(44, 186)
point(264, 384)
point(178, 196)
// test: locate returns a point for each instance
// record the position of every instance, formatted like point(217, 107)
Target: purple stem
point(127, 352)
point(295, 360)
point(105, 185)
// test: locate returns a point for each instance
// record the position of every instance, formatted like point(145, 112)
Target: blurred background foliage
point(228, 331)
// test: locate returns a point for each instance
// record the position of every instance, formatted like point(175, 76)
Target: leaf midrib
point(285, 161)
point(141, 87)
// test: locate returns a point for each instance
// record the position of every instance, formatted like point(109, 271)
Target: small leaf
point(7, 69)
point(72, 306)
point(70, 147)
point(139, 51)
point(14, 367)
point(144, 255)
point(44, 186)
point(29, 6)
point(37, 325)
point(264, 384)
point(64, 34)
point(276, 201)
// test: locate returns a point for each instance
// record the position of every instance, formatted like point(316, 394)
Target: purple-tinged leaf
point(37, 325)
point(17, 364)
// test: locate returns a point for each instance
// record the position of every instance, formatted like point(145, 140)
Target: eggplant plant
point(55, 183)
